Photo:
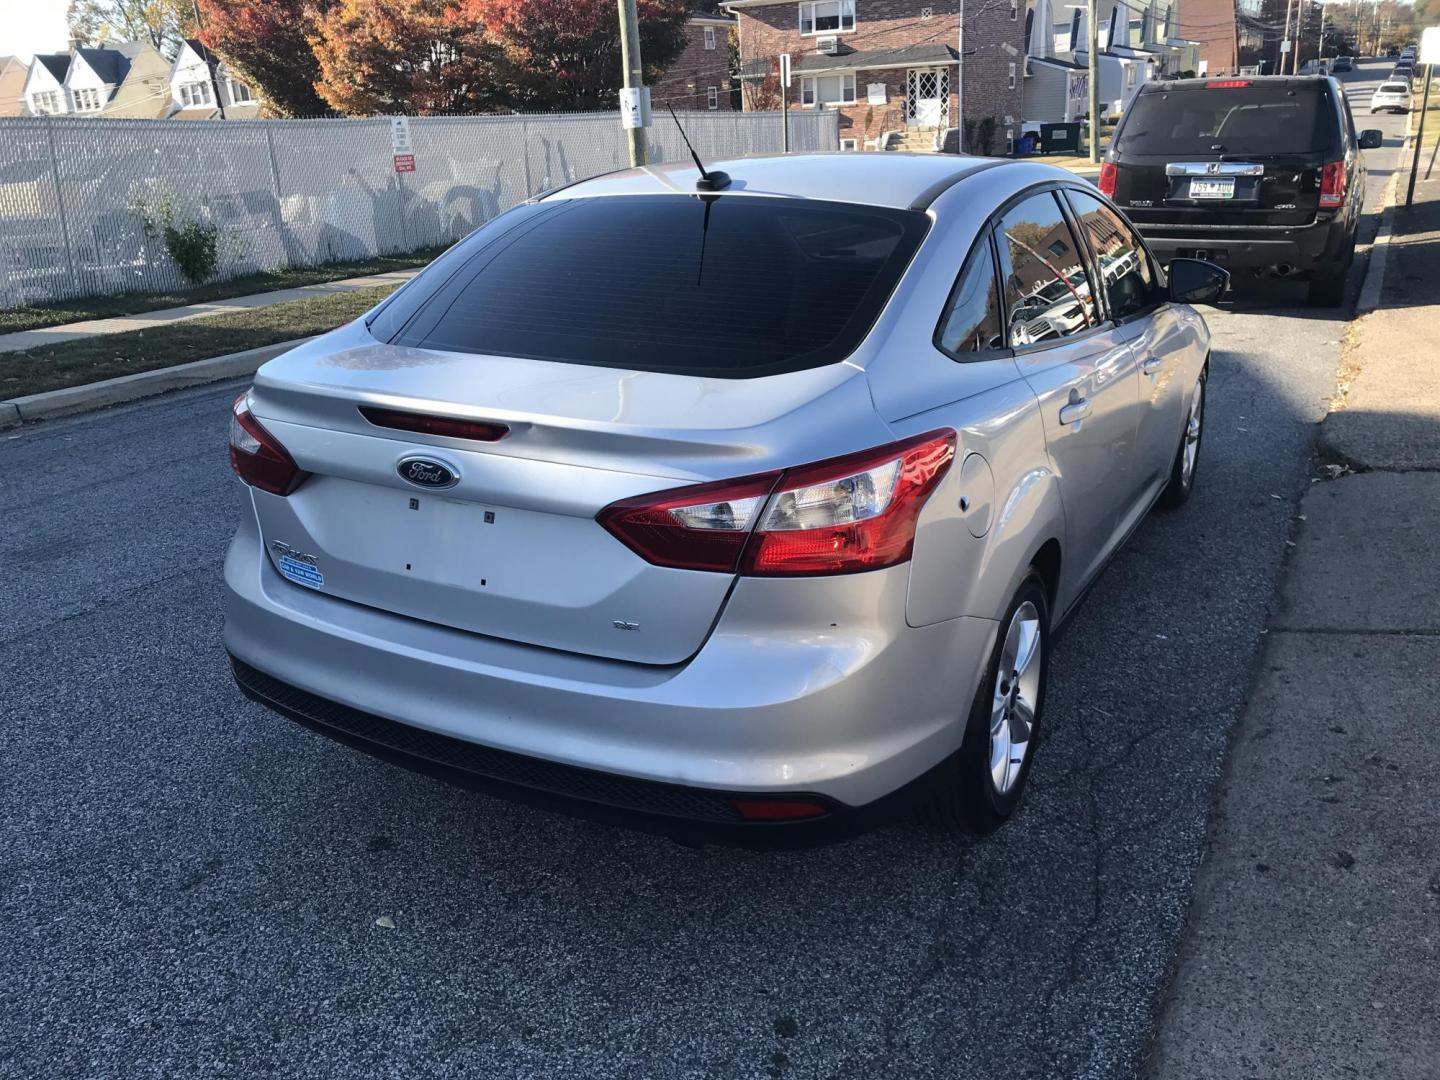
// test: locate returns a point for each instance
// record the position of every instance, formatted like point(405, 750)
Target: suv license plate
point(1212, 189)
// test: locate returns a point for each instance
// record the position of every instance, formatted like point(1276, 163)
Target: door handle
point(1075, 411)
point(1150, 366)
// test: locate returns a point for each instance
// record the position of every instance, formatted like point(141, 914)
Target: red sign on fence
point(404, 162)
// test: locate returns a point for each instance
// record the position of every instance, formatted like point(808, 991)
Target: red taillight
point(1227, 84)
point(448, 426)
point(1107, 179)
point(840, 516)
point(777, 809)
point(257, 456)
point(701, 527)
point(1332, 185)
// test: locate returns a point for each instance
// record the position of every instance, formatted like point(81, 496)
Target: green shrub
point(192, 243)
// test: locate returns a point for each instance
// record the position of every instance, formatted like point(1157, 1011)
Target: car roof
point(900, 180)
point(1287, 81)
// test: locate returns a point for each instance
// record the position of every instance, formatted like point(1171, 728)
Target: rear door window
point(970, 329)
point(1256, 120)
point(730, 286)
point(1121, 261)
point(1047, 288)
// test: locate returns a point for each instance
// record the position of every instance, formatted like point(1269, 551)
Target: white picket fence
point(75, 192)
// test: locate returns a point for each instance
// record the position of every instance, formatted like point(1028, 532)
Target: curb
point(74, 399)
point(1374, 282)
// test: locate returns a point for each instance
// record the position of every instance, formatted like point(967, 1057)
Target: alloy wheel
point(1192, 434)
point(1017, 693)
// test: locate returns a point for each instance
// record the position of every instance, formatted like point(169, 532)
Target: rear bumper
point(852, 709)
point(1304, 247)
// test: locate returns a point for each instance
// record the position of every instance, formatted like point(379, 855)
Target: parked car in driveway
point(1262, 175)
point(724, 506)
point(1391, 96)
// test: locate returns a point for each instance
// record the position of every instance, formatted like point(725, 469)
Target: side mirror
point(1371, 138)
point(1195, 281)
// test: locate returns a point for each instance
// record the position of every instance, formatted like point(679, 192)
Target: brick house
point(700, 78)
point(892, 69)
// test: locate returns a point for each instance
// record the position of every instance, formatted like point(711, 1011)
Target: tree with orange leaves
point(405, 56)
point(565, 54)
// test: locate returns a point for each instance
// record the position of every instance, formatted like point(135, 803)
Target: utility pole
point(1419, 135)
point(1321, 53)
point(1284, 42)
point(960, 83)
point(214, 82)
point(1092, 49)
point(634, 74)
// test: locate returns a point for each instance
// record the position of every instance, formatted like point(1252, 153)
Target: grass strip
point(13, 320)
point(86, 360)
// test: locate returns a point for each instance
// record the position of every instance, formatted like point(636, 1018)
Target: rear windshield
point(730, 286)
point(1255, 120)
point(1394, 88)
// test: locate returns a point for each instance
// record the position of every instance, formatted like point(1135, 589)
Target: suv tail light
point(840, 516)
point(1332, 185)
point(257, 456)
point(1107, 179)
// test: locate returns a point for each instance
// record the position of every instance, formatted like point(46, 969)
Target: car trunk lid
point(499, 537)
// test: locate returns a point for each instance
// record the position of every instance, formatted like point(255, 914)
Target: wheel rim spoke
point(1017, 689)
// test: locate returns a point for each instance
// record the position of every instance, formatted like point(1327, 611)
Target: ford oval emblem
point(427, 472)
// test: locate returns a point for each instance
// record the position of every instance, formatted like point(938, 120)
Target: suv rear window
point(1257, 120)
point(730, 286)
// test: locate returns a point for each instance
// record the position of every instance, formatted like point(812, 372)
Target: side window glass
point(972, 317)
point(1129, 281)
point(1047, 289)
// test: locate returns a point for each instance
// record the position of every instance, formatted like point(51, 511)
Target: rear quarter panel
point(968, 561)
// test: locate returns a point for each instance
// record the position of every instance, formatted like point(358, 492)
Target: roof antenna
point(709, 181)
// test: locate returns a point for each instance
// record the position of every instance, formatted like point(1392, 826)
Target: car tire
point(978, 788)
point(1328, 290)
point(1187, 458)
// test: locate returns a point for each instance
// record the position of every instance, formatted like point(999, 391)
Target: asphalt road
point(189, 885)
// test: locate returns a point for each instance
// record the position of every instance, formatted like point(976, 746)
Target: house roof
point(55, 63)
point(111, 65)
point(863, 59)
point(198, 48)
point(1055, 61)
point(200, 112)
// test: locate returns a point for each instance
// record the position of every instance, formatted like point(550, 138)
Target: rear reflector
point(1227, 84)
point(447, 426)
point(777, 809)
point(257, 456)
point(1332, 185)
point(840, 516)
point(1107, 179)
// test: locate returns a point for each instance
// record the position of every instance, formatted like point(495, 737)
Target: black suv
point(1257, 174)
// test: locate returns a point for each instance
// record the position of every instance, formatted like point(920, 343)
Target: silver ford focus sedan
point(738, 504)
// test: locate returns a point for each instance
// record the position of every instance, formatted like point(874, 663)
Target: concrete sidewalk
point(52, 335)
point(1313, 945)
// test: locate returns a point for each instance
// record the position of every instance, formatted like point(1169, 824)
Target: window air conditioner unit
point(827, 45)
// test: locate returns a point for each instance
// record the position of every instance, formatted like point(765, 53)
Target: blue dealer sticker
point(301, 572)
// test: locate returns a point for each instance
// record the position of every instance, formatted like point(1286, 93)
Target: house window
point(1014, 10)
point(848, 144)
point(827, 16)
point(195, 93)
point(827, 90)
point(710, 37)
point(1012, 77)
point(45, 102)
point(240, 93)
point(86, 100)
point(712, 97)
point(1129, 74)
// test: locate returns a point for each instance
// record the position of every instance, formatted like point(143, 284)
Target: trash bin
point(1060, 138)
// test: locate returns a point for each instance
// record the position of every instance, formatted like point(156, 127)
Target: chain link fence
point(76, 194)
